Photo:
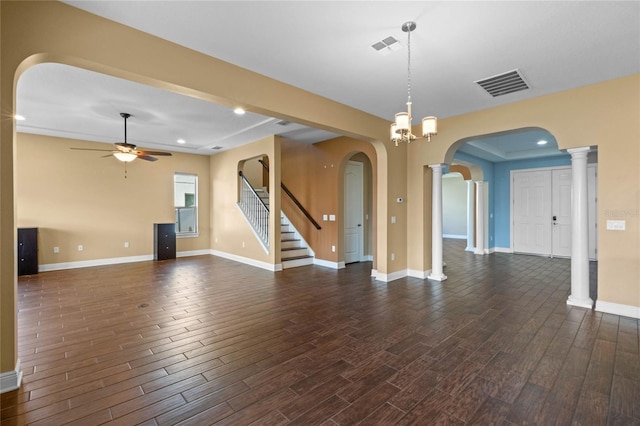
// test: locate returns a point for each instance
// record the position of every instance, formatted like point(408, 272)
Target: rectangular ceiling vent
point(283, 122)
point(502, 84)
point(387, 45)
point(216, 147)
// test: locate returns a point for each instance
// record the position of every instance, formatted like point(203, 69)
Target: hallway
point(205, 340)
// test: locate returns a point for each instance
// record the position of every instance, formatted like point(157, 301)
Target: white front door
point(532, 212)
point(542, 211)
point(353, 212)
point(561, 212)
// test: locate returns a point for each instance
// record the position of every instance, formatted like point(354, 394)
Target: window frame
point(177, 209)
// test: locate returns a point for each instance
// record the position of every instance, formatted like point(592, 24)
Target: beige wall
point(230, 233)
point(606, 115)
point(314, 173)
point(79, 198)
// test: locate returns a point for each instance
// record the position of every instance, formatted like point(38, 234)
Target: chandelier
point(401, 128)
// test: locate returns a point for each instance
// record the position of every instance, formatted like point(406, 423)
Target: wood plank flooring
point(204, 340)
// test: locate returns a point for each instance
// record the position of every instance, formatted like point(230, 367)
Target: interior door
point(592, 195)
point(561, 212)
point(354, 212)
point(532, 212)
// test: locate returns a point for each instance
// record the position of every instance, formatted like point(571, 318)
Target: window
point(186, 203)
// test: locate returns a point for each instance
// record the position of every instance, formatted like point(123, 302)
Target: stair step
point(285, 244)
point(294, 252)
point(297, 261)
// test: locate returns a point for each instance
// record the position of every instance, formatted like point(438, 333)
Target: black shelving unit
point(164, 241)
point(27, 251)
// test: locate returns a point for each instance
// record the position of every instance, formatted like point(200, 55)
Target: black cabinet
point(27, 251)
point(164, 241)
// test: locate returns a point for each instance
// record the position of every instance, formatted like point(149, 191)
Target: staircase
point(294, 251)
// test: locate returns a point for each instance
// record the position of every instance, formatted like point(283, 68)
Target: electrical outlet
point(126, 244)
point(393, 256)
point(56, 249)
point(333, 248)
point(80, 248)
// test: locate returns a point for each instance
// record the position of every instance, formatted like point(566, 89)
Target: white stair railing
point(255, 210)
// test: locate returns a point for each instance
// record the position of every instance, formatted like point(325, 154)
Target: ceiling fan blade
point(146, 157)
point(158, 153)
point(92, 149)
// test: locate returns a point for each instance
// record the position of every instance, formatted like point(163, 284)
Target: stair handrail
point(294, 199)
point(252, 189)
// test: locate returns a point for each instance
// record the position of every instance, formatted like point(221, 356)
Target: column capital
point(437, 166)
point(579, 152)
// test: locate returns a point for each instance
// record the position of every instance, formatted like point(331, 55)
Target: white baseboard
point(503, 250)
point(454, 236)
point(418, 274)
point(93, 262)
point(11, 380)
point(388, 277)
point(328, 263)
point(193, 253)
point(112, 261)
point(618, 309)
point(248, 261)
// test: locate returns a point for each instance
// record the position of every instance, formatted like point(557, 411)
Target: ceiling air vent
point(502, 84)
point(386, 45)
point(216, 147)
point(283, 122)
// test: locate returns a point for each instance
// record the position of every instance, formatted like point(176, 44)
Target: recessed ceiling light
point(239, 111)
point(542, 142)
point(181, 141)
point(19, 117)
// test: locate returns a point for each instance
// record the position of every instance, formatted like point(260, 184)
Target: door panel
point(532, 212)
point(354, 212)
point(561, 212)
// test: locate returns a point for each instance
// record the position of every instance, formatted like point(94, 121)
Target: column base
point(470, 248)
point(480, 252)
point(439, 277)
point(581, 303)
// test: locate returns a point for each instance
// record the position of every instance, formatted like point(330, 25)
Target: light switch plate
point(332, 218)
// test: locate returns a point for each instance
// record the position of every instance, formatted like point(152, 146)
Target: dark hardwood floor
point(205, 340)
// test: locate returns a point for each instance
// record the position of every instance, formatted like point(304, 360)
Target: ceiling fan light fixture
point(125, 157)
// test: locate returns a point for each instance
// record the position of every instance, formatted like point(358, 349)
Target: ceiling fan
point(127, 152)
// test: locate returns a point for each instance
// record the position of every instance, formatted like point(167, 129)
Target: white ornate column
point(470, 215)
point(436, 224)
point(579, 230)
point(479, 217)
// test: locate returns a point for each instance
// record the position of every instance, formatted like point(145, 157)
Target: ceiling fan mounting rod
point(125, 116)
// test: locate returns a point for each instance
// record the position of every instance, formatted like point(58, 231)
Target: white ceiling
point(325, 47)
